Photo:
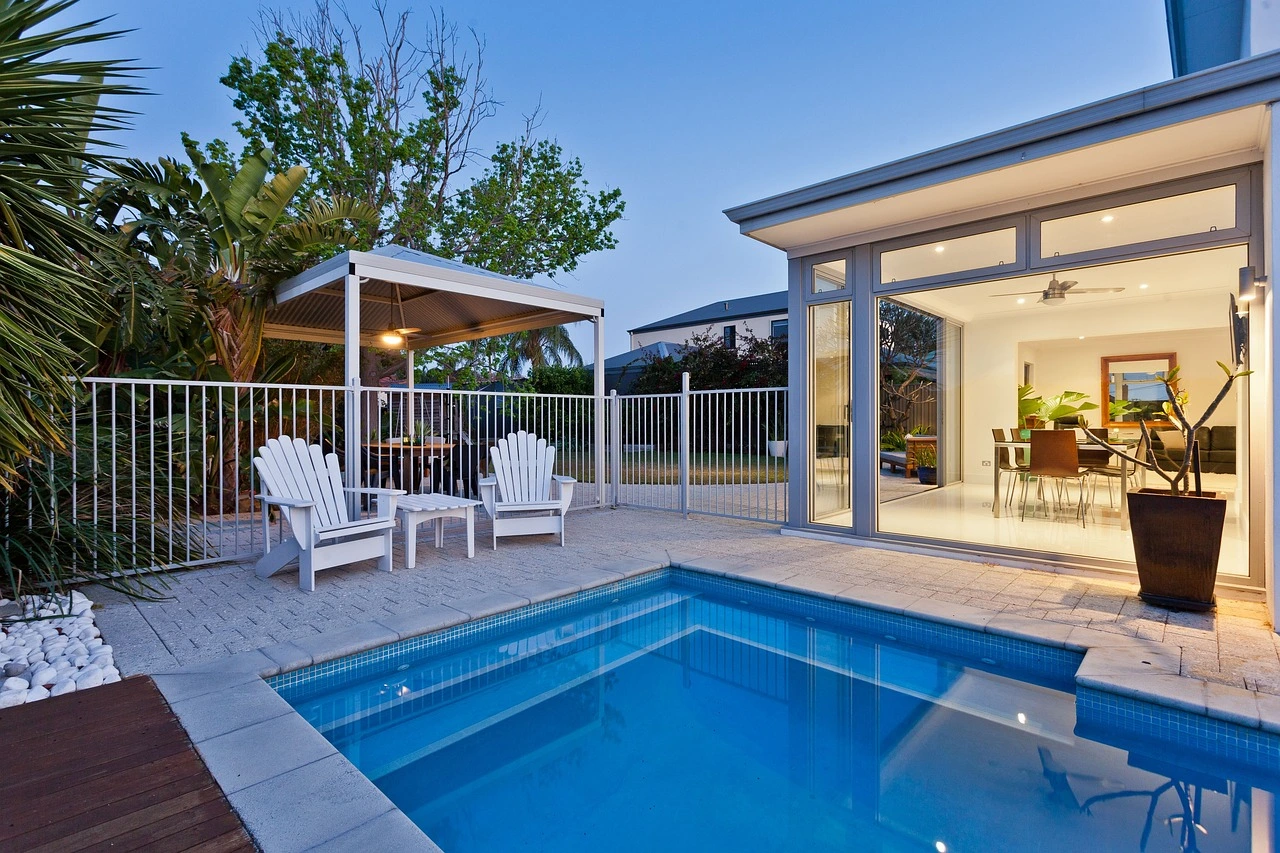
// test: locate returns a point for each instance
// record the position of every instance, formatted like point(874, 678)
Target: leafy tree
point(560, 379)
point(391, 124)
point(536, 348)
point(908, 347)
point(754, 363)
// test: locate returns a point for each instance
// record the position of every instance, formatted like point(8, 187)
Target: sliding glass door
point(830, 347)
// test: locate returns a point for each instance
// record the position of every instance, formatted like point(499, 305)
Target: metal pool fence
point(175, 458)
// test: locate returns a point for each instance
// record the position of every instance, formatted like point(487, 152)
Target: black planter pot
point(928, 476)
point(1176, 542)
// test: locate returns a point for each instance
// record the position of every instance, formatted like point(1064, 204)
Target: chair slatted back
point(523, 464)
point(1054, 453)
point(290, 468)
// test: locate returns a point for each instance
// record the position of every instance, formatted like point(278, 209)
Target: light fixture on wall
point(397, 336)
point(1251, 284)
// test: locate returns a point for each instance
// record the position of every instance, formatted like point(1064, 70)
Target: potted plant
point(776, 438)
point(927, 465)
point(1035, 411)
point(1177, 530)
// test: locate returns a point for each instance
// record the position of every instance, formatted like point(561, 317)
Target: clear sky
point(694, 107)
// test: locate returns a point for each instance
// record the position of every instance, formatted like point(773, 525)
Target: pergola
point(370, 298)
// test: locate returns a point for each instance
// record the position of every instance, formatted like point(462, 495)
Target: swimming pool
point(679, 711)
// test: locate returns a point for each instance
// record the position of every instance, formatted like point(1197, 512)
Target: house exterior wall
point(758, 326)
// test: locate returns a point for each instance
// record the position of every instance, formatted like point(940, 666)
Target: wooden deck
point(108, 769)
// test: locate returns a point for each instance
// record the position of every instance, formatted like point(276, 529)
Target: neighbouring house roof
point(620, 371)
point(726, 309)
point(1210, 113)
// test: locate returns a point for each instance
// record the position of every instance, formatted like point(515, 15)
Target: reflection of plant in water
point(1183, 826)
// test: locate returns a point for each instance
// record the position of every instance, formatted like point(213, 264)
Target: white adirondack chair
point(518, 497)
point(306, 484)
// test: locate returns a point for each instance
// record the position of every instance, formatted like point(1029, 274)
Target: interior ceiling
point(1235, 132)
point(1166, 277)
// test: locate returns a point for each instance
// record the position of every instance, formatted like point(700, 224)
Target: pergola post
point(351, 373)
point(598, 322)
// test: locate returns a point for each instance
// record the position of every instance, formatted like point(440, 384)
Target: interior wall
point(994, 347)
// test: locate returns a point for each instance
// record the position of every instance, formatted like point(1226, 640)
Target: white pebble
point(61, 687)
point(90, 677)
point(35, 694)
point(15, 683)
point(9, 698)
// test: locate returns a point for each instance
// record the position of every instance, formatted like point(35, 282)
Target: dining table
point(1019, 444)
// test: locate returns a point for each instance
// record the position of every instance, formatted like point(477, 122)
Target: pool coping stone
point(225, 708)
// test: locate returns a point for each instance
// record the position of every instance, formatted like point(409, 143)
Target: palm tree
point(224, 240)
point(49, 121)
point(538, 348)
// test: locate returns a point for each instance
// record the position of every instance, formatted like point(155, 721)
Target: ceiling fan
point(1056, 292)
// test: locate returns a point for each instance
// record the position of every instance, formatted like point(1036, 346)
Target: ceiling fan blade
point(1098, 290)
point(1067, 285)
point(1019, 293)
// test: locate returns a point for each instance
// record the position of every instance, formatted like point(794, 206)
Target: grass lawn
point(705, 469)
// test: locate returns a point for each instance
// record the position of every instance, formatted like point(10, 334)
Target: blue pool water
point(680, 713)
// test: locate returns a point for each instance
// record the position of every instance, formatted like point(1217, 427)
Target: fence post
point(684, 444)
point(615, 444)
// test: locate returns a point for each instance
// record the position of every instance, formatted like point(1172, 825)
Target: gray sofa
point(1217, 449)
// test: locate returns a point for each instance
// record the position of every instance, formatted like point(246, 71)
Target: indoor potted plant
point(927, 465)
point(1037, 412)
point(1177, 530)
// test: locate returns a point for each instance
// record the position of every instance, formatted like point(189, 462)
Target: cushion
point(1223, 438)
point(1171, 439)
point(1225, 456)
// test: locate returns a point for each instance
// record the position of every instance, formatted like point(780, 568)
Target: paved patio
point(222, 610)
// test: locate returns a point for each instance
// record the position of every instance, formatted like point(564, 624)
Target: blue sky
point(694, 107)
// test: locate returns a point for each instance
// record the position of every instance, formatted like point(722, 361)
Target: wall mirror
point(1139, 381)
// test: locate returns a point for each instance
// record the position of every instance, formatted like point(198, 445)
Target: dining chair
point(1007, 462)
point(1055, 456)
point(1101, 463)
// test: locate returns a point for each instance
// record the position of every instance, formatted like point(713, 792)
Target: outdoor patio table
point(996, 503)
point(401, 456)
point(415, 509)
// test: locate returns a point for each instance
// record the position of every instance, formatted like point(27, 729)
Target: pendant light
point(397, 336)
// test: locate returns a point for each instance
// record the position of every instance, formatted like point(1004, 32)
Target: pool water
point(667, 717)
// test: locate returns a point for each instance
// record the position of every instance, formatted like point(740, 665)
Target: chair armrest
point(565, 485)
point(489, 494)
point(291, 503)
point(386, 508)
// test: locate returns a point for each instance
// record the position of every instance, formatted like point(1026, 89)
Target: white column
point(351, 373)
point(599, 409)
point(409, 425)
point(1263, 356)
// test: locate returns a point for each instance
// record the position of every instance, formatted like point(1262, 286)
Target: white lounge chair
point(301, 480)
point(518, 497)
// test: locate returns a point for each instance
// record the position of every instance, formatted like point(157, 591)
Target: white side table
point(415, 509)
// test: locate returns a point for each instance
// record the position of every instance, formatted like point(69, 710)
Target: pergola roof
point(449, 301)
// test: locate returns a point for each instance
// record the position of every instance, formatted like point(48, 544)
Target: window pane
point(829, 276)
point(830, 490)
point(778, 329)
point(975, 252)
point(1158, 219)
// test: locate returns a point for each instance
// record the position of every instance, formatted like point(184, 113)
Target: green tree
point(753, 363)
point(559, 379)
point(391, 124)
point(535, 348)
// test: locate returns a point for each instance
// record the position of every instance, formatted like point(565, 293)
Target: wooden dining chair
point(1101, 464)
point(1008, 463)
point(1055, 457)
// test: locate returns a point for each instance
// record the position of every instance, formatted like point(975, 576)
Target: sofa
point(1217, 449)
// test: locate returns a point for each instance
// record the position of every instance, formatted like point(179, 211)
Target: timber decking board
point(109, 768)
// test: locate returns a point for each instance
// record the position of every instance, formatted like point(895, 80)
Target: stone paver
point(215, 612)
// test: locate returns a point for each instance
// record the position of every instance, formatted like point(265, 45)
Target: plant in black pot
point(1177, 530)
point(927, 465)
